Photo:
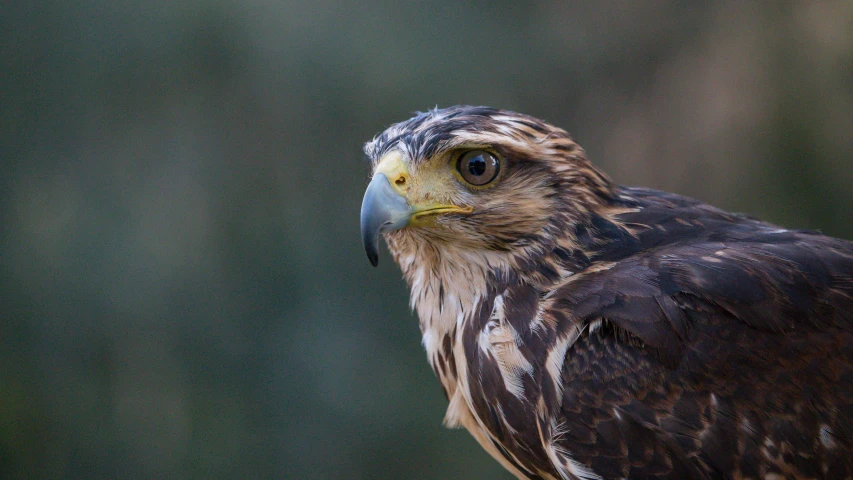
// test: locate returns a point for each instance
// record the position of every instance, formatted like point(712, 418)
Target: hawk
point(586, 330)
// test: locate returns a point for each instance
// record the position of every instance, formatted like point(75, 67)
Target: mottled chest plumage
point(515, 354)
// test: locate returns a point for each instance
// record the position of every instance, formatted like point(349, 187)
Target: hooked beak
point(387, 206)
point(383, 210)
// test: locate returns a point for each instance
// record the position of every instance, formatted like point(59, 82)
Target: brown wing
point(726, 357)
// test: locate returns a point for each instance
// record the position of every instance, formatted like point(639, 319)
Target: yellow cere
point(429, 194)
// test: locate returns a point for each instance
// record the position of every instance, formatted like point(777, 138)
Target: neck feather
point(449, 284)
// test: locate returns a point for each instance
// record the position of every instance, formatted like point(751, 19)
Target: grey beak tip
point(382, 210)
point(370, 239)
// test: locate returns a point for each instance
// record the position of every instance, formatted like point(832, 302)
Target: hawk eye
point(478, 167)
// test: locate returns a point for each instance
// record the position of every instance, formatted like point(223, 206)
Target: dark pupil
point(477, 166)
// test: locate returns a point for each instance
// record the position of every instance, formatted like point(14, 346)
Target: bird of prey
point(586, 330)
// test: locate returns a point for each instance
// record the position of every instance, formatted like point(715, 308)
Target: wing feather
point(730, 353)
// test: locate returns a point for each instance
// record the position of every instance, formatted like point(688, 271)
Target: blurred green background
point(184, 293)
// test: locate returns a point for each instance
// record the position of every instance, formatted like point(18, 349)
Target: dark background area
point(183, 292)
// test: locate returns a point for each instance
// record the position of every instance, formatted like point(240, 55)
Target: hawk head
point(483, 183)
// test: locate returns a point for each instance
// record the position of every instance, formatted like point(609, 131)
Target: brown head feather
point(547, 184)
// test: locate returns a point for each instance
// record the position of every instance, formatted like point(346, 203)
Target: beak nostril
point(401, 181)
